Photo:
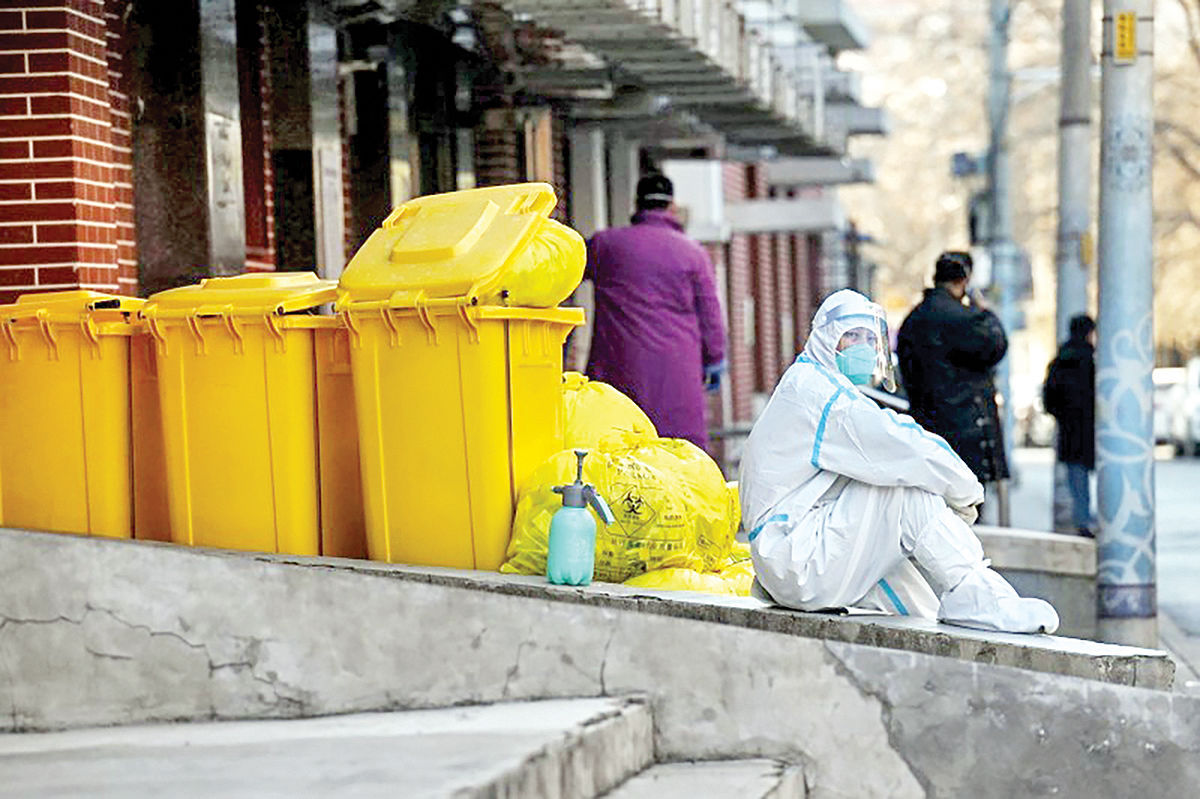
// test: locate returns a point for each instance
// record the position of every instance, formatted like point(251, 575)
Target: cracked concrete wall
point(97, 632)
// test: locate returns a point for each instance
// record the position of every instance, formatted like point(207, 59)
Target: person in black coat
point(1069, 395)
point(948, 349)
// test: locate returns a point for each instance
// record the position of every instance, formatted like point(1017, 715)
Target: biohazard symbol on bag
point(669, 502)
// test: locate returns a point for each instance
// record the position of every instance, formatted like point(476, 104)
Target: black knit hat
point(952, 265)
point(1081, 326)
point(655, 188)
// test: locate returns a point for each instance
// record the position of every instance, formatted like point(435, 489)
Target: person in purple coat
point(659, 335)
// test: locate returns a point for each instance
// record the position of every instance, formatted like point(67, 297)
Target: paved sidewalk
point(1184, 649)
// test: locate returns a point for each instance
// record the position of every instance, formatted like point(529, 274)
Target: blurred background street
point(1177, 492)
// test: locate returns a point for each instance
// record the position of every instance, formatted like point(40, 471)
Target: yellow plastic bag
point(733, 578)
point(669, 500)
point(546, 272)
point(735, 508)
point(691, 580)
point(597, 415)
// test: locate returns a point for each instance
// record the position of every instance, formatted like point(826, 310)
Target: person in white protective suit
point(841, 496)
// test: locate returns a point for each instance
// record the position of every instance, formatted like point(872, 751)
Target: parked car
point(1186, 429)
point(1177, 407)
point(1169, 387)
point(1034, 427)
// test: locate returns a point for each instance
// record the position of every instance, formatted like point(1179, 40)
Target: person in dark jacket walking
point(659, 329)
point(947, 351)
point(1069, 395)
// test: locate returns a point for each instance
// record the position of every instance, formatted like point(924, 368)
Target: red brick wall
point(716, 415)
point(498, 144)
point(738, 291)
point(65, 195)
point(122, 144)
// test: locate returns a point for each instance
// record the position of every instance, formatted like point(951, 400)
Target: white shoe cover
point(984, 600)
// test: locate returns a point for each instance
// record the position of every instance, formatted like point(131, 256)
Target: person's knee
point(920, 504)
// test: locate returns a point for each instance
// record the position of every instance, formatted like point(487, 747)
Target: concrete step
point(558, 748)
point(716, 779)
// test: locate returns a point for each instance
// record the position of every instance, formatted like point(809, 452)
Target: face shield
point(862, 343)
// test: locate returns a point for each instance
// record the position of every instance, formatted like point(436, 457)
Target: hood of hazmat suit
point(837, 493)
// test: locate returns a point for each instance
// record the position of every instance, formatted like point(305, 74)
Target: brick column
point(497, 149)
point(738, 275)
point(258, 176)
point(785, 301)
point(65, 199)
point(802, 308)
point(122, 144)
point(766, 325)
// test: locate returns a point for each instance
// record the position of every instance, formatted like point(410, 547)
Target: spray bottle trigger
point(599, 505)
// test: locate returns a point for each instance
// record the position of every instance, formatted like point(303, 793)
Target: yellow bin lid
point(72, 305)
point(251, 293)
point(446, 245)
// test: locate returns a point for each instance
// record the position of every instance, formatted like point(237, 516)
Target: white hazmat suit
point(838, 494)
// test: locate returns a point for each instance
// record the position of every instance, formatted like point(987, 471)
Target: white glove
point(968, 514)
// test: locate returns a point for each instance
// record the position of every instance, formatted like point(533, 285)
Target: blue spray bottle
point(572, 555)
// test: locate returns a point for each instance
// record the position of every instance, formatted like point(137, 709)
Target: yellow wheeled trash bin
point(241, 362)
point(65, 457)
point(458, 395)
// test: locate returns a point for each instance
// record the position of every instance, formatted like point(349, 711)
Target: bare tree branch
point(1191, 12)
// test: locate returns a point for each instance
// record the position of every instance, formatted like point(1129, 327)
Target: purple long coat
point(658, 321)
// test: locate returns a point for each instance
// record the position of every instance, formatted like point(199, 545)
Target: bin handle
point(353, 329)
point(472, 326)
point(88, 325)
point(14, 350)
point(421, 304)
point(276, 331)
point(227, 315)
point(390, 323)
point(235, 330)
point(43, 320)
point(193, 324)
point(156, 333)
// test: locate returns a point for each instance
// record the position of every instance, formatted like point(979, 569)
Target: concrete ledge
point(1060, 569)
point(1147, 668)
point(99, 632)
point(1029, 550)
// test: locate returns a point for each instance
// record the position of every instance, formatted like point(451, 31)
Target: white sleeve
point(857, 438)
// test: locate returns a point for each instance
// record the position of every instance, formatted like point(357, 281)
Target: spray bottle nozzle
point(580, 495)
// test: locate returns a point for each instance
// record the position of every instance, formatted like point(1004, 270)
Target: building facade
point(146, 144)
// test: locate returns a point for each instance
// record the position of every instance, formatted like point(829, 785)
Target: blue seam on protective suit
point(842, 389)
point(887, 589)
point(926, 434)
point(816, 453)
point(778, 517)
point(823, 371)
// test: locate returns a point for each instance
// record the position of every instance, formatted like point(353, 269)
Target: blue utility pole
point(1125, 358)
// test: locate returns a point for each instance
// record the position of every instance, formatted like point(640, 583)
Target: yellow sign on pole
point(1124, 37)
